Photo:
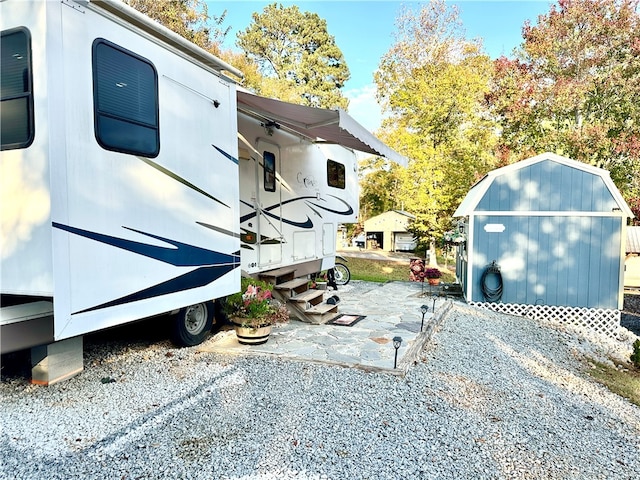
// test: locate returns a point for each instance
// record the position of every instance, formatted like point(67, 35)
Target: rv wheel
point(192, 324)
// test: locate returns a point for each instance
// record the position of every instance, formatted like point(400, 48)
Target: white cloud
point(363, 106)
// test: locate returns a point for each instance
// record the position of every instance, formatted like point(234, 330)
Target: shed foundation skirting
point(600, 321)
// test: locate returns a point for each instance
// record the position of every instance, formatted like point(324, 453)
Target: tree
point(187, 18)
point(298, 59)
point(252, 78)
point(634, 204)
point(432, 85)
point(190, 20)
point(575, 88)
point(379, 185)
point(511, 104)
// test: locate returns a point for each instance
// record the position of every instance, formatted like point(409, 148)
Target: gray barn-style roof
point(542, 174)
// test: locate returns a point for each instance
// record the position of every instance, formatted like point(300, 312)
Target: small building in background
point(388, 232)
point(545, 236)
point(632, 260)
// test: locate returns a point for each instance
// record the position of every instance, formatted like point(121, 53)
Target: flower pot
point(433, 281)
point(252, 335)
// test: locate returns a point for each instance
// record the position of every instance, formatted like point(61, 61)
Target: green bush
point(635, 356)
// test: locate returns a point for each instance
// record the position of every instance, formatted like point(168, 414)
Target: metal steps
point(305, 304)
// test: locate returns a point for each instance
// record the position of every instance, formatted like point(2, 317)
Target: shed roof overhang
point(477, 191)
point(317, 124)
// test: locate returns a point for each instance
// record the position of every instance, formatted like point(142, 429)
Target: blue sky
point(364, 30)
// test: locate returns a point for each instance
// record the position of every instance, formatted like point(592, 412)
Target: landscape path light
point(396, 344)
point(424, 309)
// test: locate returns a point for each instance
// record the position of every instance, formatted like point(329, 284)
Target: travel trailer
point(125, 194)
point(119, 173)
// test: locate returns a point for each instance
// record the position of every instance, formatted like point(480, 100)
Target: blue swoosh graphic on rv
point(196, 278)
point(349, 210)
point(230, 157)
point(212, 264)
point(182, 180)
point(183, 255)
point(306, 224)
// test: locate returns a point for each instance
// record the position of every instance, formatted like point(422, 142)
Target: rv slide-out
point(119, 167)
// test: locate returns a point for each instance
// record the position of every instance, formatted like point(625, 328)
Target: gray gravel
point(630, 316)
point(492, 397)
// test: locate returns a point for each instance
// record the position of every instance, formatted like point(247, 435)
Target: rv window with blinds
point(269, 171)
point(125, 101)
point(335, 174)
point(16, 83)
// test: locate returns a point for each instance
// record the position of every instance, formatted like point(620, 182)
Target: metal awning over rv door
point(335, 126)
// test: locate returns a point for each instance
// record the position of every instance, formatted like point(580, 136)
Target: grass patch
point(625, 383)
point(385, 270)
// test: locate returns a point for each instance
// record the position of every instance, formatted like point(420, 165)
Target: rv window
point(335, 174)
point(16, 81)
point(269, 171)
point(125, 101)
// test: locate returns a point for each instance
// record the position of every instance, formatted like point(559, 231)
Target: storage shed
point(388, 231)
point(556, 230)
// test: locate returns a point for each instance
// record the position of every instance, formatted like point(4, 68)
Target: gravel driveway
point(493, 397)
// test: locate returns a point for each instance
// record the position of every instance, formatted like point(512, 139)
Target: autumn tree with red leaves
point(575, 89)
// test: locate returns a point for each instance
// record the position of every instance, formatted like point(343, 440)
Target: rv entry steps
point(293, 287)
point(279, 275)
point(305, 304)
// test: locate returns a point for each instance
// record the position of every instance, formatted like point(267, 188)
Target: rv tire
point(192, 324)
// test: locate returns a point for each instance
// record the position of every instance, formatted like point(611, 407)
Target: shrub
point(635, 356)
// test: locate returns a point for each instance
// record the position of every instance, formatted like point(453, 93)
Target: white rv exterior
point(120, 191)
point(298, 182)
point(124, 193)
point(293, 195)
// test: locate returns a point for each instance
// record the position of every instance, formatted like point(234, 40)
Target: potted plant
point(433, 276)
point(253, 311)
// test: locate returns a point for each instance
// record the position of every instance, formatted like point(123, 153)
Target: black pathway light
point(424, 309)
point(396, 344)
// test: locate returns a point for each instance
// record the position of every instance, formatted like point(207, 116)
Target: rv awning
point(335, 126)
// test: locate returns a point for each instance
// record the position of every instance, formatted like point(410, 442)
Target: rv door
point(269, 205)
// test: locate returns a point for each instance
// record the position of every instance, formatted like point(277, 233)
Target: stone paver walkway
point(391, 309)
